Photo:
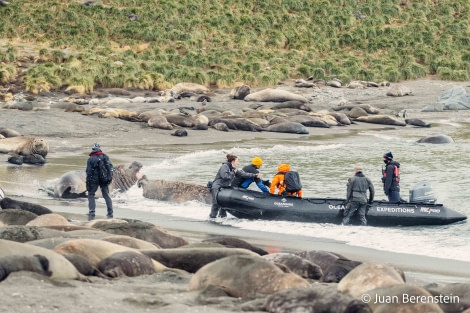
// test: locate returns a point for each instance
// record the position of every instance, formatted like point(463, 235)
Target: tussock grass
point(224, 43)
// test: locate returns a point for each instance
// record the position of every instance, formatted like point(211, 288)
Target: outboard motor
point(422, 193)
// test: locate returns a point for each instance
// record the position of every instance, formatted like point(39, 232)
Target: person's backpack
point(106, 169)
point(292, 181)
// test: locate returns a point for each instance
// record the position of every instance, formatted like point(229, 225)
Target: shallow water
point(324, 162)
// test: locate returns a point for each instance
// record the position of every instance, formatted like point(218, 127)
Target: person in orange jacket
point(279, 184)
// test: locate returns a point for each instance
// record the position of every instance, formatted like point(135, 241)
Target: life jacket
point(396, 173)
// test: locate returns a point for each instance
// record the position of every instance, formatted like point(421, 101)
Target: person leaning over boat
point(246, 182)
point(356, 195)
point(279, 184)
point(391, 178)
point(224, 178)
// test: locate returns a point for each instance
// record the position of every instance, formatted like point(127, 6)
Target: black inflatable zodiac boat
point(420, 210)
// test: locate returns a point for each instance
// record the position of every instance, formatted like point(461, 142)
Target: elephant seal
point(188, 87)
point(131, 242)
point(317, 298)
point(337, 270)
point(296, 264)
point(309, 121)
point(15, 263)
point(126, 263)
point(24, 145)
point(16, 216)
point(237, 124)
point(83, 266)
point(404, 292)
point(181, 120)
point(381, 119)
point(220, 126)
point(274, 95)
point(416, 122)
point(461, 290)
point(8, 132)
point(21, 233)
point(192, 259)
point(287, 127)
point(293, 104)
point(232, 242)
point(249, 275)
point(28, 159)
point(73, 184)
point(324, 259)
point(438, 139)
point(399, 90)
point(59, 267)
point(368, 276)
point(142, 230)
point(48, 220)
point(239, 92)
point(159, 121)
point(174, 191)
point(9, 203)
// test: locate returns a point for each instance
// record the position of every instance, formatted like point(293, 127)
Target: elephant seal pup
point(8, 132)
point(309, 121)
point(293, 104)
point(9, 203)
point(174, 191)
point(296, 264)
point(287, 127)
point(15, 263)
point(192, 259)
point(275, 95)
point(318, 298)
point(126, 263)
point(368, 276)
point(438, 139)
point(180, 133)
point(24, 145)
point(249, 275)
point(416, 122)
point(59, 267)
point(220, 126)
point(381, 119)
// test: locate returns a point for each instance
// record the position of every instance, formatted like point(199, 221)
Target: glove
point(266, 182)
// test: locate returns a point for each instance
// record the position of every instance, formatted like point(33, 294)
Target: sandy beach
point(168, 291)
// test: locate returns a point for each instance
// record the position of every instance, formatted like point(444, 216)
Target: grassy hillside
point(152, 44)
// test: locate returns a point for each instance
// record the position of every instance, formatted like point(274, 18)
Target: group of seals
point(72, 184)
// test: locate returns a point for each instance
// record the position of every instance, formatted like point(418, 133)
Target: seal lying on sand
point(275, 95)
point(175, 191)
point(24, 145)
point(73, 184)
point(439, 139)
point(9, 203)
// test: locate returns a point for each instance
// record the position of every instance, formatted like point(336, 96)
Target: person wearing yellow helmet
point(254, 169)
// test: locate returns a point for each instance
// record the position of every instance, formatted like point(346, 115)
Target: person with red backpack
point(391, 178)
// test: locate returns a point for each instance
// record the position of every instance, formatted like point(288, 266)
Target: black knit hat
point(388, 155)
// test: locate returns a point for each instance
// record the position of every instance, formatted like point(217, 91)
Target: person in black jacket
point(356, 195)
point(241, 182)
point(224, 178)
point(391, 178)
point(93, 181)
